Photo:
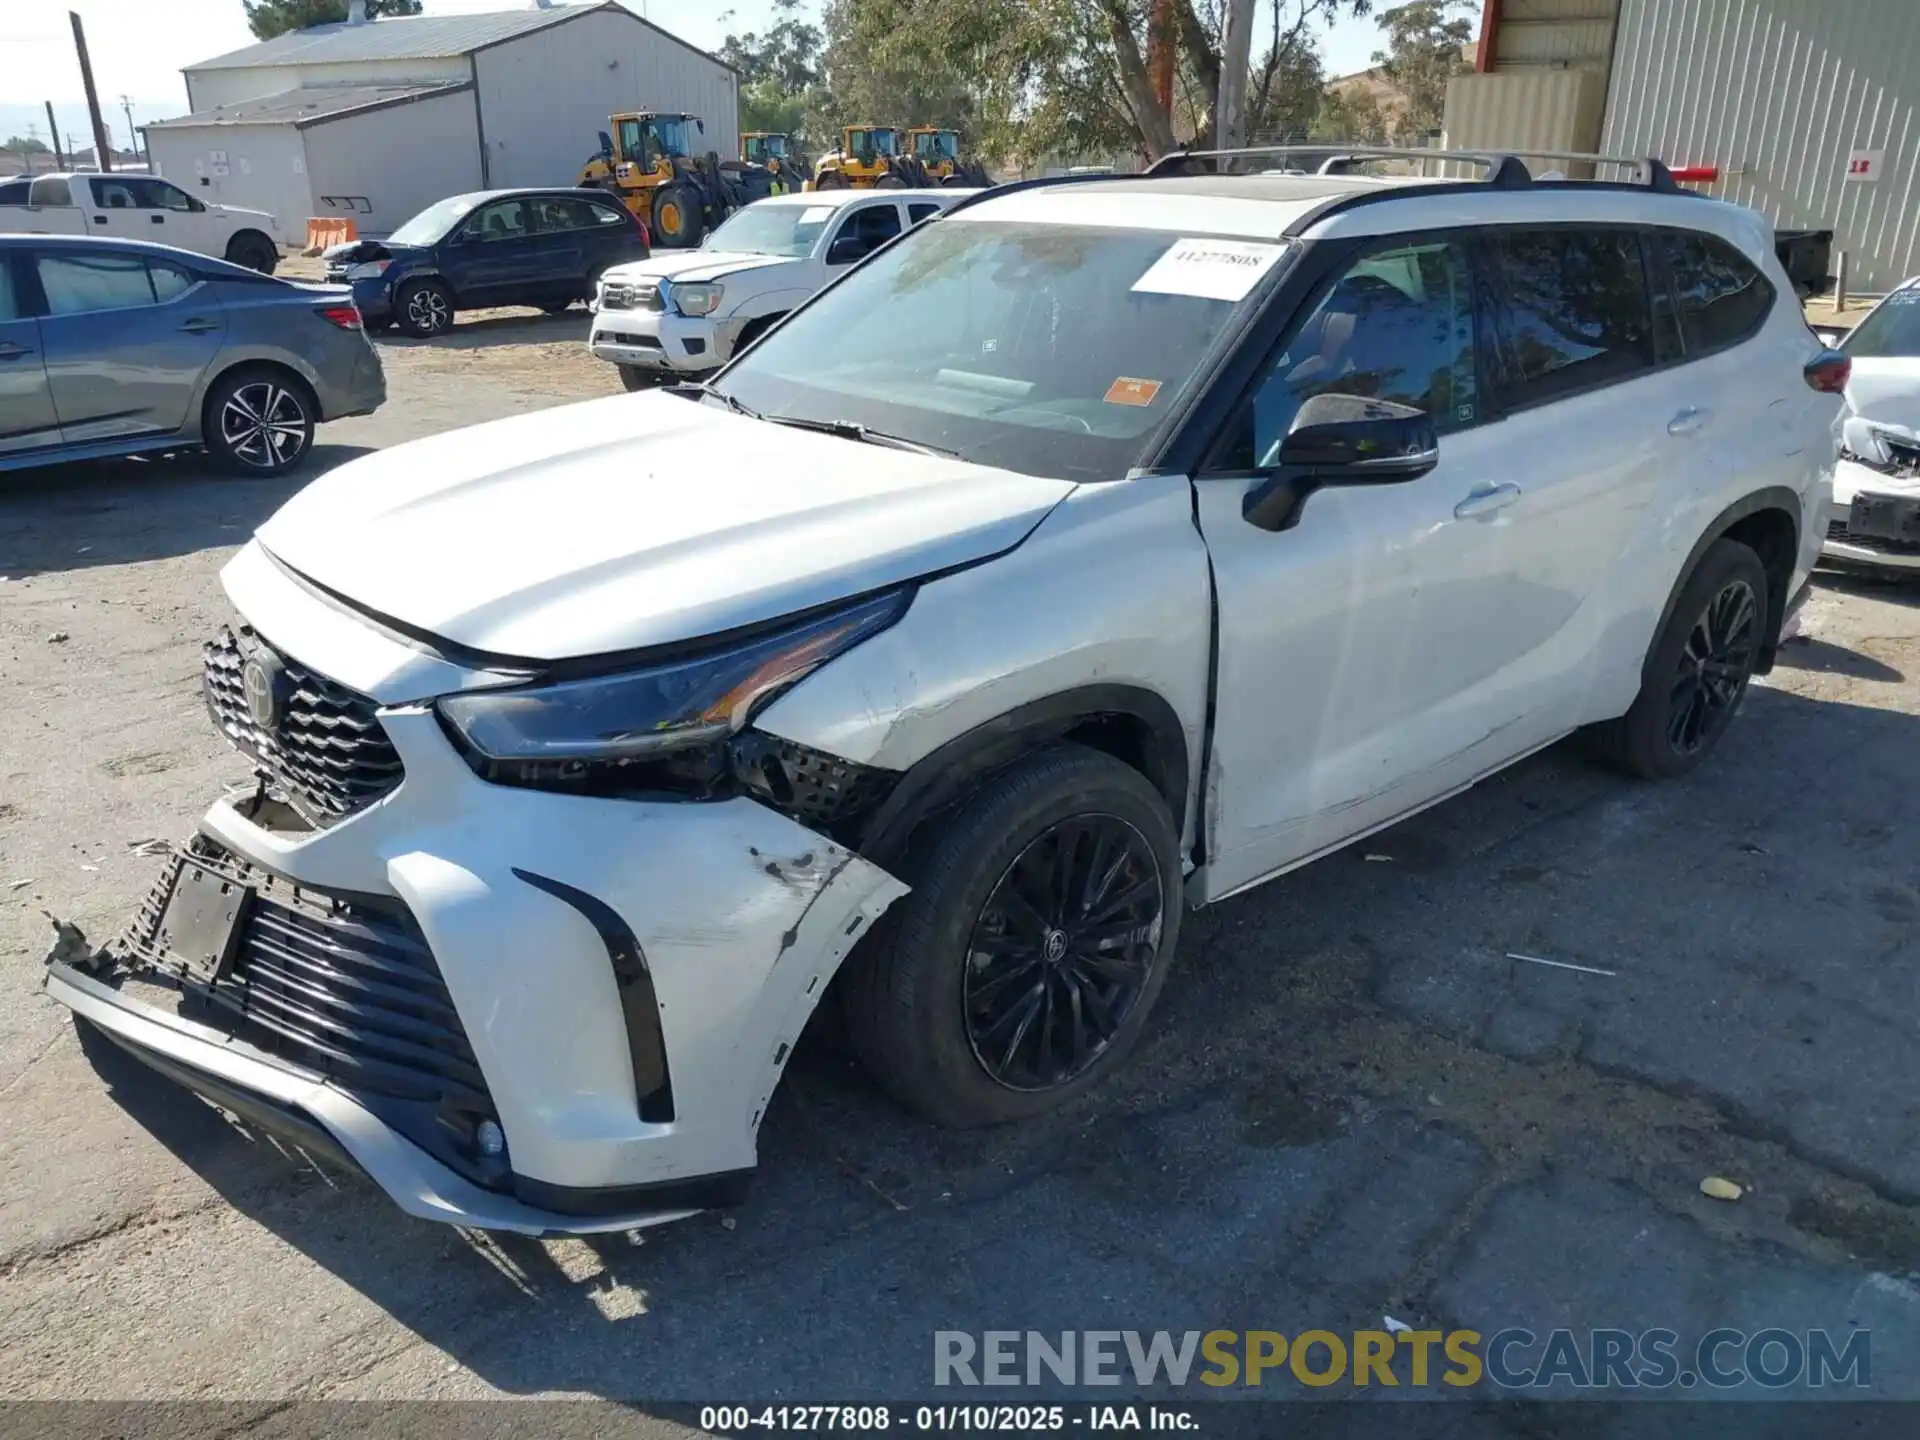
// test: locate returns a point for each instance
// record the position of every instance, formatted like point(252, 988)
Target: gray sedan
point(122, 348)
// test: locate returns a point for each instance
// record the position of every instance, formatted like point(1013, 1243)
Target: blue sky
point(139, 47)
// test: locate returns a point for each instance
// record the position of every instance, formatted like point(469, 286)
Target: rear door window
point(1721, 296)
point(51, 190)
point(76, 284)
point(1573, 311)
point(919, 210)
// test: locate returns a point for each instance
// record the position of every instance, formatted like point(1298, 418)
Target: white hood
point(637, 520)
point(1886, 389)
point(692, 265)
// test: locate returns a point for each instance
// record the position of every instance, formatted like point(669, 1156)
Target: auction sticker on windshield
point(814, 214)
point(1129, 391)
point(1210, 269)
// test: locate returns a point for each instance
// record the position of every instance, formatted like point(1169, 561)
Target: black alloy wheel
point(1713, 668)
point(1062, 951)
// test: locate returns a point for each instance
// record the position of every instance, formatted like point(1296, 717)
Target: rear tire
point(1697, 671)
point(1006, 983)
point(258, 421)
point(253, 250)
point(423, 308)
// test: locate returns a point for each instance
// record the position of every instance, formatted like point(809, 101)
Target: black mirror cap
point(1353, 439)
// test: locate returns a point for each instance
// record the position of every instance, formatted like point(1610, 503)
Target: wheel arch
point(251, 233)
point(284, 365)
point(1768, 522)
point(1133, 724)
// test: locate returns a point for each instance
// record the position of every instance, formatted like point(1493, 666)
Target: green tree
point(25, 145)
point(268, 18)
point(1425, 39)
point(781, 72)
point(1350, 114)
point(1071, 76)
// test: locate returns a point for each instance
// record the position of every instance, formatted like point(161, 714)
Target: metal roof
point(397, 37)
point(301, 108)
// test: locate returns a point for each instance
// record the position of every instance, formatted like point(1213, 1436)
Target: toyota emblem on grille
point(261, 680)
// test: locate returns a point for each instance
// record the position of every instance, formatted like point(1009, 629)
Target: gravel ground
point(1351, 1105)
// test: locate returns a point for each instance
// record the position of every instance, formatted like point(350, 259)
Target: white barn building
point(375, 120)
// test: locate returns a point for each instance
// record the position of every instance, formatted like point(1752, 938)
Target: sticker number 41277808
point(1210, 269)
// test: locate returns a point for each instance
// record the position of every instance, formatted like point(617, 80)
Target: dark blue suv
point(493, 247)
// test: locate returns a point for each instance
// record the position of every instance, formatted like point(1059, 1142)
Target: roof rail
point(1506, 171)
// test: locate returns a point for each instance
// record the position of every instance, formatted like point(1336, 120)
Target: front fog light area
point(664, 728)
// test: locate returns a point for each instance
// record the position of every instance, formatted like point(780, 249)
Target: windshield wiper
point(866, 435)
point(732, 404)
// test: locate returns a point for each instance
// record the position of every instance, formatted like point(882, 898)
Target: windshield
point(432, 223)
point(874, 142)
point(762, 146)
point(1890, 332)
point(788, 230)
point(942, 146)
point(1048, 349)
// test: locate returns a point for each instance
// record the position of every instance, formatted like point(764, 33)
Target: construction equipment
point(648, 160)
point(936, 152)
point(870, 157)
point(778, 155)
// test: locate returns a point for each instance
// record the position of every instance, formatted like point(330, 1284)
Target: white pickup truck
point(137, 207)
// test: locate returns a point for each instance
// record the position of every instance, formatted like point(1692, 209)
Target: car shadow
point(491, 328)
point(116, 512)
point(1824, 658)
point(1342, 1060)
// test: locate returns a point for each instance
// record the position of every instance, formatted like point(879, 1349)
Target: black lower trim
point(283, 1121)
point(639, 1004)
point(701, 1192)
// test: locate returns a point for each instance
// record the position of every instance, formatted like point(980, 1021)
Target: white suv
point(686, 311)
point(1098, 550)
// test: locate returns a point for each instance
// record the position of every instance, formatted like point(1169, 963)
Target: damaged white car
point(1875, 523)
point(1097, 550)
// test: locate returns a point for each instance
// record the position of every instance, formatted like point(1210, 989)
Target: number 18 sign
point(1865, 164)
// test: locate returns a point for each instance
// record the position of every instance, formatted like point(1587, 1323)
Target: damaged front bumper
point(1874, 522)
point(615, 985)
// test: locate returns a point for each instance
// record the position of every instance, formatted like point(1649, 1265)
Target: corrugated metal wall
point(1555, 32)
point(545, 97)
point(1777, 93)
point(260, 167)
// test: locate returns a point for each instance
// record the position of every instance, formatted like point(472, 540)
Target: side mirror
point(845, 250)
point(1342, 440)
point(701, 126)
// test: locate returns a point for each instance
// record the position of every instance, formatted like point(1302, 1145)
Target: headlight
point(368, 269)
point(696, 300)
point(659, 728)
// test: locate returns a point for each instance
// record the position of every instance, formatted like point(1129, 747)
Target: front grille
point(630, 295)
point(325, 750)
point(347, 989)
point(1837, 530)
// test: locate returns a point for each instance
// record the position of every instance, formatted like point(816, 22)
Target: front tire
point(258, 422)
point(1021, 968)
point(632, 377)
point(1697, 671)
point(423, 308)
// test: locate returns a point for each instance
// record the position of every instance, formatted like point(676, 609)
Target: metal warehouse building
point(1805, 107)
point(375, 120)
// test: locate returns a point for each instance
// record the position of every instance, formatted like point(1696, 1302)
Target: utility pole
point(103, 151)
point(53, 129)
point(1236, 47)
point(133, 135)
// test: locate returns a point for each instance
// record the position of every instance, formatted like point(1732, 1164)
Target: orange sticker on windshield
point(1129, 391)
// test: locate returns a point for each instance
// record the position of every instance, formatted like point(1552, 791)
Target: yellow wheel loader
point(648, 159)
point(869, 158)
point(777, 154)
point(937, 153)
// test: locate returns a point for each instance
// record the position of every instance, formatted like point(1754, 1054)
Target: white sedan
point(687, 311)
point(1875, 521)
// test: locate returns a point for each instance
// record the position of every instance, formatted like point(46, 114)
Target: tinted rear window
point(1575, 311)
point(1722, 297)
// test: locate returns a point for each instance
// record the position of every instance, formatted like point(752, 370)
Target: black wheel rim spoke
point(1714, 668)
point(1061, 951)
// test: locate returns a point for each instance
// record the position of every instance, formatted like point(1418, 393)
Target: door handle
point(1486, 501)
point(159, 219)
point(199, 326)
point(11, 351)
point(1687, 420)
